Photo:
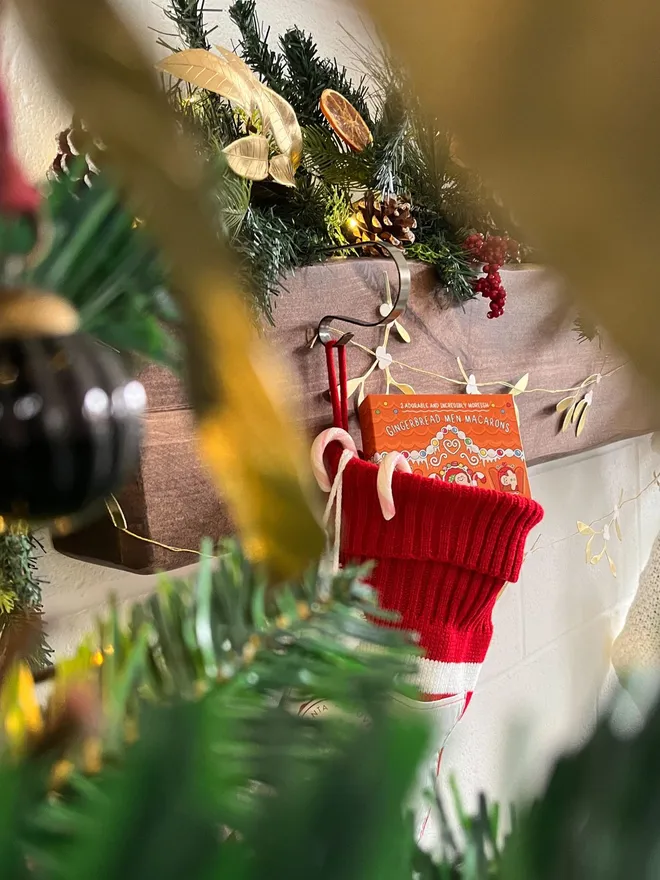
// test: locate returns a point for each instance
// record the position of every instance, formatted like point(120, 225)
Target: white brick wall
point(544, 680)
point(548, 674)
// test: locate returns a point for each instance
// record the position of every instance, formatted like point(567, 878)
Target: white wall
point(548, 667)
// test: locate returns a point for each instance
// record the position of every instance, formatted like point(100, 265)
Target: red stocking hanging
point(441, 563)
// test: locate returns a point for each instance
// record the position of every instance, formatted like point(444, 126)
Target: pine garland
point(275, 229)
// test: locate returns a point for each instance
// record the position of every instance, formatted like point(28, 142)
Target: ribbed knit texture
point(442, 561)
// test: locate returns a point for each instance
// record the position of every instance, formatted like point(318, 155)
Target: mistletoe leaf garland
point(564, 404)
point(582, 418)
point(575, 407)
point(577, 411)
point(617, 529)
point(520, 386)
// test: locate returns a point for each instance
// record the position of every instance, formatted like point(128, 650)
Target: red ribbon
point(338, 389)
point(17, 195)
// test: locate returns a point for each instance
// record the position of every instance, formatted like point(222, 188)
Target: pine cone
point(377, 219)
point(72, 143)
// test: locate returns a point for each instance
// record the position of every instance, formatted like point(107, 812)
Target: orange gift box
point(468, 439)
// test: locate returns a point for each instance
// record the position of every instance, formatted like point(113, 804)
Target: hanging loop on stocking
point(336, 500)
point(338, 384)
point(399, 304)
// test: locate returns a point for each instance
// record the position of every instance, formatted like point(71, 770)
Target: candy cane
point(318, 448)
point(394, 461)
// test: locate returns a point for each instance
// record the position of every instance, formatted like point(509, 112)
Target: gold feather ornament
point(229, 76)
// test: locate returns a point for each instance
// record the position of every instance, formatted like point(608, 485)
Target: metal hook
point(324, 332)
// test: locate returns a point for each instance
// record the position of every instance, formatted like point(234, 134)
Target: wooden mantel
point(171, 500)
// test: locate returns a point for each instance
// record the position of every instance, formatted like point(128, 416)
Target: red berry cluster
point(492, 251)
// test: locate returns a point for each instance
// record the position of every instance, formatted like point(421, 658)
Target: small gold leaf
point(206, 71)
point(617, 529)
point(568, 418)
point(280, 119)
point(611, 563)
point(520, 385)
point(565, 403)
point(596, 559)
point(588, 548)
point(577, 412)
point(248, 157)
point(585, 529)
point(402, 333)
point(352, 386)
point(406, 389)
point(582, 420)
point(282, 170)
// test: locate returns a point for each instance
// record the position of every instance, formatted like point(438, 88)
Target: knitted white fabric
point(637, 647)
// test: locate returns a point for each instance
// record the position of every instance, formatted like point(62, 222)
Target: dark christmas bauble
point(70, 417)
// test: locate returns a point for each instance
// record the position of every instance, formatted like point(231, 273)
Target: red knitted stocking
point(441, 564)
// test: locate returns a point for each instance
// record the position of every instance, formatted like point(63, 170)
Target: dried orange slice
point(345, 120)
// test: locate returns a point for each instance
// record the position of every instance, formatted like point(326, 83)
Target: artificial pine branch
point(310, 75)
point(334, 163)
point(454, 269)
point(253, 47)
point(105, 264)
point(207, 676)
point(297, 72)
point(188, 18)
point(586, 328)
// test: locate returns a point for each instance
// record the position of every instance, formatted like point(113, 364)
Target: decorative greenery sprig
point(228, 779)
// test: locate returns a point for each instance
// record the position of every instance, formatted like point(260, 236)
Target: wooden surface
point(171, 500)
point(533, 336)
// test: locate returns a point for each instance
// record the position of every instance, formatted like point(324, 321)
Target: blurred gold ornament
point(247, 437)
point(25, 314)
point(558, 108)
point(19, 708)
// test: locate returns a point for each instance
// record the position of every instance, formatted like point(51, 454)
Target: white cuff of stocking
point(440, 678)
